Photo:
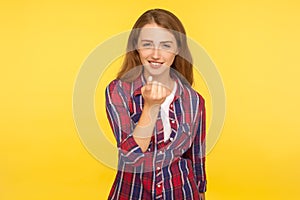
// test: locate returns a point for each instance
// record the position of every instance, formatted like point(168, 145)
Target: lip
point(155, 64)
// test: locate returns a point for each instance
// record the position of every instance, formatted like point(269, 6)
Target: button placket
point(158, 168)
point(159, 181)
point(173, 122)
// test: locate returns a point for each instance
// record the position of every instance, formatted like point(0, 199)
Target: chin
point(155, 71)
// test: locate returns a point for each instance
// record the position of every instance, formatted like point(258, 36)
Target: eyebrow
point(159, 42)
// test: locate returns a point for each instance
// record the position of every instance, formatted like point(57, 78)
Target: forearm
point(143, 131)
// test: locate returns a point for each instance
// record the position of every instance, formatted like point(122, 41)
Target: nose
point(156, 53)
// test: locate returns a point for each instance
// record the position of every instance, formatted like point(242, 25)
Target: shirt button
point(173, 121)
point(171, 105)
point(149, 149)
point(158, 168)
point(158, 185)
point(160, 152)
point(171, 139)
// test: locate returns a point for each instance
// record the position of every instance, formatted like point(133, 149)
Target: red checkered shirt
point(174, 169)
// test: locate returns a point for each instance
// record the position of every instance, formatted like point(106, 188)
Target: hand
point(154, 93)
point(202, 196)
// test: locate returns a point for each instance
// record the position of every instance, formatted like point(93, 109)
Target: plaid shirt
point(174, 169)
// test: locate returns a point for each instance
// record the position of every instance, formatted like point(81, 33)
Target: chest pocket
point(183, 139)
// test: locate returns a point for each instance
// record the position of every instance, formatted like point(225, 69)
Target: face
point(157, 49)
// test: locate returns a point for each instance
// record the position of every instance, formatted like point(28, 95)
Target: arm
point(118, 114)
point(196, 153)
point(131, 139)
point(154, 95)
point(143, 131)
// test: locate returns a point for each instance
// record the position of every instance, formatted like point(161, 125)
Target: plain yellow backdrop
point(255, 45)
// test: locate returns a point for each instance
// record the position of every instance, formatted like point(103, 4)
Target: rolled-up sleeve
point(118, 114)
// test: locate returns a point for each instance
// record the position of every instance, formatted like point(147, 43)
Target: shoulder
point(125, 87)
point(201, 99)
point(191, 93)
point(195, 100)
point(117, 93)
point(117, 85)
point(187, 92)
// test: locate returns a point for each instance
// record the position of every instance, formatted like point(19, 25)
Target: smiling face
point(157, 49)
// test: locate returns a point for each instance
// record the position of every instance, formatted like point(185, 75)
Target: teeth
point(155, 63)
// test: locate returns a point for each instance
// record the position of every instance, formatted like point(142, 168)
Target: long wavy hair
point(165, 19)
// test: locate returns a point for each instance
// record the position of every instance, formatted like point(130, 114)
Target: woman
point(157, 118)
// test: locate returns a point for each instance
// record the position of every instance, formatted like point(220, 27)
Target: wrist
point(149, 115)
point(149, 107)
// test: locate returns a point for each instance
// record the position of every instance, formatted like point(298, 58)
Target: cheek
point(170, 58)
point(143, 54)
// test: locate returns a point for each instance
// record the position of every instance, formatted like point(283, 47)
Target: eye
point(166, 45)
point(147, 44)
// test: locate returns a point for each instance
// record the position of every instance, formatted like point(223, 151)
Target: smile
point(154, 64)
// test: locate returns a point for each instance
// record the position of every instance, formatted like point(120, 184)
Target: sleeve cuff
point(202, 186)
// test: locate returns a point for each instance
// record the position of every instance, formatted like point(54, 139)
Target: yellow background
point(254, 44)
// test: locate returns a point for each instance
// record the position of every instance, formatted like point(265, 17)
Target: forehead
point(155, 33)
